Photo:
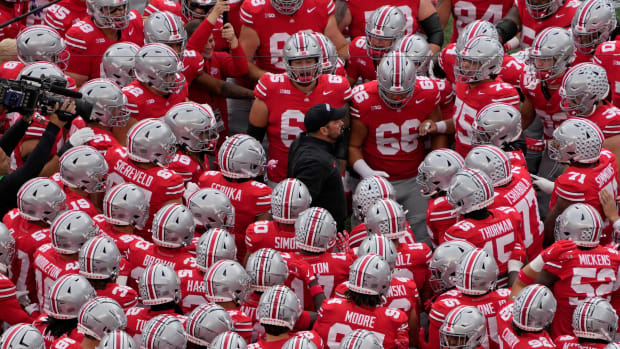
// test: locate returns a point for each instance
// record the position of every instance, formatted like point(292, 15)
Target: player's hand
point(518, 253)
point(31, 308)
point(427, 127)
point(342, 241)
point(82, 136)
point(609, 205)
point(228, 33)
point(557, 249)
point(220, 7)
point(542, 184)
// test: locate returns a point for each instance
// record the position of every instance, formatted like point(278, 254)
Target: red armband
point(525, 279)
point(316, 289)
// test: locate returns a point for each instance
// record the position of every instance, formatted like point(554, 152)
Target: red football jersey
point(359, 63)
point(362, 10)
point(607, 117)
point(509, 339)
point(126, 296)
point(607, 55)
point(192, 289)
point(440, 216)
point(412, 262)
point(12, 312)
point(403, 294)
point(548, 110)
point(50, 339)
point(11, 69)
point(392, 143)
point(287, 107)
point(158, 184)
point(144, 104)
point(193, 65)
point(187, 167)
point(278, 344)
point(86, 43)
point(331, 269)
point(530, 27)
point(520, 195)
point(137, 317)
point(270, 234)
point(121, 239)
point(517, 158)
point(48, 267)
point(583, 185)
point(141, 254)
point(8, 13)
point(497, 234)
point(103, 140)
point(300, 275)
point(570, 342)
point(465, 12)
point(470, 99)
point(242, 323)
point(66, 342)
point(164, 5)
point(582, 274)
point(274, 29)
point(338, 317)
point(74, 200)
point(28, 237)
point(63, 15)
point(357, 235)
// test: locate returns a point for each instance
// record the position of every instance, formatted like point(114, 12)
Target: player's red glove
point(518, 253)
point(342, 241)
point(556, 250)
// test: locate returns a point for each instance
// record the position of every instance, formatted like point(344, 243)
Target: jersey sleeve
point(567, 187)
point(249, 14)
point(263, 197)
point(172, 184)
point(261, 91)
point(436, 317)
point(343, 86)
point(453, 233)
point(126, 296)
point(505, 93)
point(77, 46)
point(52, 19)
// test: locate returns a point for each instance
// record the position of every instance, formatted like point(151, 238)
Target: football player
point(22, 336)
point(512, 186)
point(466, 12)
point(151, 146)
point(288, 199)
point(471, 194)
point(62, 15)
point(204, 323)
point(360, 339)
point(332, 64)
point(69, 231)
point(118, 63)
point(117, 340)
point(368, 190)
point(241, 159)
point(164, 332)
point(211, 209)
point(384, 27)
point(594, 23)
point(464, 328)
point(606, 55)
point(13, 312)
point(9, 11)
point(100, 263)
point(369, 281)
point(443, 266)
point(267, 25)
point(109, 22)
point(283, 99)
point(387, 117)
point(594, 325)
point(522, 324)
point(228, 340)
point(434, 175)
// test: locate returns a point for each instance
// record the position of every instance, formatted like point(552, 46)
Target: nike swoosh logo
point(418, 101)
point(559, 15)
point(325, 93)
point(480, 93)
point(312, 9)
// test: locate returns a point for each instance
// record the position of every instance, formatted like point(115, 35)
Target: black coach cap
point(320, 114)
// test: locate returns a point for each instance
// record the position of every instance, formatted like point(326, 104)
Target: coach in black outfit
point(311, 159)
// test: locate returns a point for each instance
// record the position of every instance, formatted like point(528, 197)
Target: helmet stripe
point(300, 41)
point(381, 248)
point(275, 304)
point(539, 39)
point(359, 278)
point(150, 282)
point(484, 184)
point(262, 265)
point(209, 278)
point(382, 187)
point(211, 248)
point(229, 147)
point(7, 343)
point(173, 25)
point(316, 215)
point(397, 70)
point(596, 221)
point(227, 339)
point(527, 302)
point(107, 209)
point(383, 16)
point(53, 305)
point(393, 219)
point(584, 11)
point(467, 277)
point(474, 30)
point(451, 318)
point(287, 198)
point(167, 215)
point(89, 254)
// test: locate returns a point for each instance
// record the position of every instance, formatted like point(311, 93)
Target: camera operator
point(10, 182)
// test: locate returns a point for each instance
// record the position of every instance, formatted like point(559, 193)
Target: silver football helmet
point(476, 273)
point(497, 124)
point(595, 318)
point(42, 69)
point(241, 156)
point(593, 23)
point(369, 190)
point(117, 340)
point(386, 217)
point(109, 102)
point(470, 190)
point(159, 66)
point(370, 275)
point(227, 281)
point(360, 339)
point(100, 11)
point(534, 308)
point(228, 340)
point(7, 247)
point(151, 141)
point(314, 230)
point(581, 223)
point(67, 295)
point(387, 24)
point(84, 168)
point(615, 345)
point(99, 258)
point(194, 126)
point(205, 322)
point(279, 306)
point(165, 28)
point(444, 263)
point(286, 7)
point(583, 86)
point(416, 49)
point(540, 10)
point(214, 245)
point(164, 332)
point(70, 230)
point(212, 209)
point(100, 316)
point(38, 43)
point(299, 342)
point(302, 45)
point(173, 226)
point(329, 53)
point(266, 268)
point(190, 9)
point(22, 336)
point(492, 161)
point(159, 284)
point(381, 246)
point(288, 199)
point(552, 44)
point(125, 204)
point(437, 170)
point(480, 59)
point(479, 27)
point(40, 199)
point(396, 77)
point(118, 63)
point(576, 140)
point(464, 327)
